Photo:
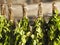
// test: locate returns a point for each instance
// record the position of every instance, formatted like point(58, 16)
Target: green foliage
point(3, 27)
point(22, 35)
point(5, 31)
point(37, 35)
point(22, 31)
point(54, 28)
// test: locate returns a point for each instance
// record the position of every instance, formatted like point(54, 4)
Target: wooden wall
point(32, 9)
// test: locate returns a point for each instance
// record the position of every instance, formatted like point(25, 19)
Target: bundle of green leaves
point(54, 29)
point(6, 32)
point(22, 31)
point(37, 32)
point(3, 28)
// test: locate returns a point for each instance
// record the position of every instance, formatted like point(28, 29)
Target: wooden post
point(40, 13)
point(24, 10)
point(3, 9)
point(10, 13)
point(53, 7)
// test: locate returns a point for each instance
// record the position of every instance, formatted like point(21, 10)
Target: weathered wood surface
point(32, 9)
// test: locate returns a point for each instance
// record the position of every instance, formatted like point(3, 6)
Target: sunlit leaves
point(54, 28)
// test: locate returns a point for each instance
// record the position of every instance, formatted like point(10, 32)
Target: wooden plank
point(32, 9)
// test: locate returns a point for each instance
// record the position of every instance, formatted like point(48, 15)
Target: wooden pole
point(53, 7)
point(24, 10)
point(40, 13)
point(10, 13)
point(3, 9)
